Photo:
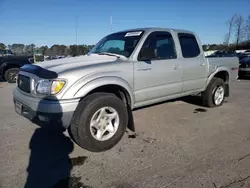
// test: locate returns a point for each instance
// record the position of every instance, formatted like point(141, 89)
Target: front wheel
point(214, 95)
point(99, 122)
point(10, 75)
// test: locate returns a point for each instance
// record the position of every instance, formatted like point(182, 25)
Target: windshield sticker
point(131, 34)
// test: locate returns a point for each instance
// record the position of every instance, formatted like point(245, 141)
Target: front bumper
point(44, 112)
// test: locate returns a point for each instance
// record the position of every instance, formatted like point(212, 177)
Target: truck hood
point(66, 64)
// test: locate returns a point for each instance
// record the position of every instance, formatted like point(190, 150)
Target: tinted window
point(162, 43)
point(189, 45)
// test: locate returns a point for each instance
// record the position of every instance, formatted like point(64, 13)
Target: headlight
point(47, 87)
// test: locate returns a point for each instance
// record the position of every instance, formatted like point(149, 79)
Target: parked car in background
point(244, 69)
point(243, 55)
point(93, 96)
point(222, 53)
point(247, 52)
point(10, 65)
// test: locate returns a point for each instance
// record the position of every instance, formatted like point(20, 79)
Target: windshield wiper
point(110, 54)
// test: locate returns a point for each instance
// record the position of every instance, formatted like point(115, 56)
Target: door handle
point(176, 67)
point(202, 64)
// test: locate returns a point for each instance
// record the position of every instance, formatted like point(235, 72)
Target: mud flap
point(131, 125)
point(227, 90)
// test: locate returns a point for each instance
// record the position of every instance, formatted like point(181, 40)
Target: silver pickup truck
point(93, 95)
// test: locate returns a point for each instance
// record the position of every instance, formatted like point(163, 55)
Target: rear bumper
point(43, 112)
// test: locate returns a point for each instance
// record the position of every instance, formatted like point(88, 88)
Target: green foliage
point(61, 50)
point(17, 49)
point(2, 46)
point(80, 49)
point(43, 49)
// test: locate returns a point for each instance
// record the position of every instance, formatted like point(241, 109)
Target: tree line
point(231, 47)
point(60, 50)
point(237, 36)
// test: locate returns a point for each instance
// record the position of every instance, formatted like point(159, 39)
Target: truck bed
point(232, 63)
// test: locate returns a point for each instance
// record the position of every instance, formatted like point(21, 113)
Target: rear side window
point(189, 45)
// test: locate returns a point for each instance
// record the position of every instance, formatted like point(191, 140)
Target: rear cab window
point(189, 45)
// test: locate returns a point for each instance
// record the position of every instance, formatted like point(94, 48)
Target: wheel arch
point(107, 84)
point(224, 74)
point(9, 65)
point(114, 85)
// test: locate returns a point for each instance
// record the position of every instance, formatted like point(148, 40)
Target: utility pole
point(111, 22)
point(76, 35)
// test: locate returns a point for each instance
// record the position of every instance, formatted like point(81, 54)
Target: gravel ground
point(177, 144)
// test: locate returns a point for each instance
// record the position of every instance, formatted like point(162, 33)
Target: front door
point(161, 76)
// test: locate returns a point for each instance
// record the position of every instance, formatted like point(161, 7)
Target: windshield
point(122, 43)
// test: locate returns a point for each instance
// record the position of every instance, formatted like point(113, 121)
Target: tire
point(208, 96)
point(83, 134)
point(10, 75)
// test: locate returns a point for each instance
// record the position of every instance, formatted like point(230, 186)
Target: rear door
point(159, 77)
point(193, 61)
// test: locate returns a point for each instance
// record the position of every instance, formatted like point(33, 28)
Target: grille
point(23, 83)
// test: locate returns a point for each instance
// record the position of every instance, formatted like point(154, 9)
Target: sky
point(48, 22)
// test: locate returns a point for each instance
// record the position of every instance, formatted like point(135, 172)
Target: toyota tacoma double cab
point(93, 95)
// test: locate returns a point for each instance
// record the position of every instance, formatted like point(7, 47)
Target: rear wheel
point(99, 122)
point(10, 75)
point(214, 95)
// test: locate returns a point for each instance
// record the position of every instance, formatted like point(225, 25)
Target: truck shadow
point(243, 78)
point(194, 100)
point(50, 164)
point(49, 159)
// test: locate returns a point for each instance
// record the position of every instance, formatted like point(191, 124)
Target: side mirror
point(147, 54)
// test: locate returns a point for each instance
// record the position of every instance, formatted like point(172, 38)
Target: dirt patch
point(71, 182)
point(198, 110)
point(77, 161)
point(149, 140)
point(133, 136)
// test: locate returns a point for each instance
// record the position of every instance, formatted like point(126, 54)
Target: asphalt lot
point(177, 144)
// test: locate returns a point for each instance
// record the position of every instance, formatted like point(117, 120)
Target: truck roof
point(150, 29)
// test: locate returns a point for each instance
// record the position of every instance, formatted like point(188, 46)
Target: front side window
point(122, 43)
point(161, 44)
point(189, 45)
